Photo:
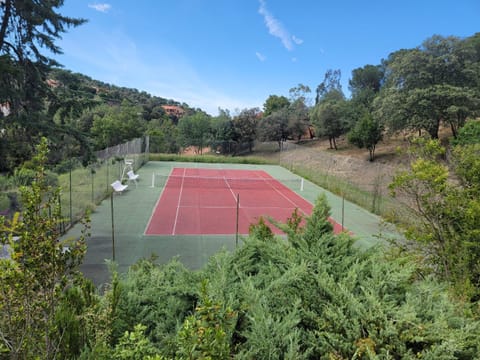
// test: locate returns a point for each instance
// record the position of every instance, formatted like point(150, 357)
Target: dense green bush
point(310, 295)
point(6, 182)
point(468, 134)
point(25, 176)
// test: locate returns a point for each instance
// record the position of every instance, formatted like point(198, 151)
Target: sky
point(234, 54)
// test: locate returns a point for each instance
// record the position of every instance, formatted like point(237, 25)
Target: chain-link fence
point(357, 180)
point(82, 188)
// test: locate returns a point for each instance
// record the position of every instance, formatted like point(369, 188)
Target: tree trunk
point(371, 151)
point(433, 129)
point(5, 20)
point(454, 129)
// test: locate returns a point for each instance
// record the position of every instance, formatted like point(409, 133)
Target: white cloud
point(297, 40)
point(275, 27)
point(260, 56)
point(294, 59)
point(100, 7)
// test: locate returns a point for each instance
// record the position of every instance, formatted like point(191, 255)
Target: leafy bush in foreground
point(312, 295)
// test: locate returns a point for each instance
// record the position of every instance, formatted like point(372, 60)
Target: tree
point(194, 130)
point(365, 85)
point(434, 83)
point(298, 119)
point(223, 133)
point(245, 125)
point(327, 116)
point(298, 114)
point(274, 127)
point(163, 137)
point(28, 30)
point(366, 134)
point(446, 214)
point(117, 125)
point(328, 113)
point(41, 268)
point(274, 103)
point(300, 92)
point(330, 84)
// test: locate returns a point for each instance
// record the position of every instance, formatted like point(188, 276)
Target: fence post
point(71, 212)
point(108, 167)
point(92, 174)
point(113, 227)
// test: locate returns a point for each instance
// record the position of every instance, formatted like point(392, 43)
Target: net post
point(301, 184)
point(153, 180)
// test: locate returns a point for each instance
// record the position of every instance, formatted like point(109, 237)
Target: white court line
point(283, 195)
point(178, 203)
point(230, 188)
point(156, 203)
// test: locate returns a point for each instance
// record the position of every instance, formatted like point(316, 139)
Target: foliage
point(298, 119)
point(366, 81)
point(37, 277)
point(224, 135)
point(366, 134)
point(428, 85)
point(274, 103)
point(194, 130)
point(274, 127)
point(158, 298)
point(329, 85)
point(447, 214)
point(469, 134)
point(117, 125)
point(328, 118)
point(28, 32)
point(300, 93)
point(207, 333)
point(245, 125)
point(135, 346)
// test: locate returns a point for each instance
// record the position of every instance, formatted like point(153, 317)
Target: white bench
point(132, 177)
point(118, 187)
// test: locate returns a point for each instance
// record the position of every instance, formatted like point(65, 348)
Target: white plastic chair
point(118, 187)
point(132, 177)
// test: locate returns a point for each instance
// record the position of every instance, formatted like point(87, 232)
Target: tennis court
point(222, 201)
point(124, 227)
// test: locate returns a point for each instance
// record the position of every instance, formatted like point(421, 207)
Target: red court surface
point(204, 202)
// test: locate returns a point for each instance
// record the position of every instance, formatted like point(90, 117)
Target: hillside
point(348, 162)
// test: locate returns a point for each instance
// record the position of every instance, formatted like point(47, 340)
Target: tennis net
point(200, 182)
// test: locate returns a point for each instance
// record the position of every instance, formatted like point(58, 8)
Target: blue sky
point(233, 54)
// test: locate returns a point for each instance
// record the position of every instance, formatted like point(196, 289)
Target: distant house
point(53, 83)
point(174, 110)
